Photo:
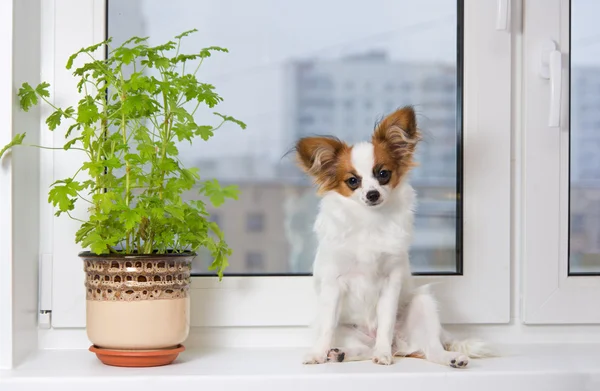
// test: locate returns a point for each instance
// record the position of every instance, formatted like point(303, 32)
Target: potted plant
point(142, 235)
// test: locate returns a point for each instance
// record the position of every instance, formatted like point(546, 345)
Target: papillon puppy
point(368, 304)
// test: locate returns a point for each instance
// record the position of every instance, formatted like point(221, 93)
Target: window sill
point(522, 367)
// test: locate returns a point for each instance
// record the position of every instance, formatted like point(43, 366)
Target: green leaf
point(71, 128)
point(138, 81)
point(89, 49)
point(175, 211)
point(184, 131)
point(98, 217)
point(17, 140)
point(190, 174)
point(42, 90)
point(139, 105)
point(68, 112)
point(113, 162)
point(165, 47)
point(127, 55)
point(93, 168)
point(216, 230)
point(136, 40)
point(97, 244)
point(27, 97)
point(168, 165)
point(53, 120)
point(87, 111)
point(130, 219)
point(70, 143)
point(60, 195)
point(205, 132)
point(186, 33)
point(229, 118)
point(217, 195)
point(220, 253)
point(231, 191)
point(155, 60)
point(171, 149)
point(106, 201)
point(206, 52)
point(157, 213)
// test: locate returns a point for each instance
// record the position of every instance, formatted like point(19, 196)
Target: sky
point(262, 35)
point(585, 31)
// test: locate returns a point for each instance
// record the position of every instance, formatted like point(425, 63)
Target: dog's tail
point(473, 348)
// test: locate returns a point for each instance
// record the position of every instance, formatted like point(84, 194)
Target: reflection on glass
point(297, 68)
point(585, 138)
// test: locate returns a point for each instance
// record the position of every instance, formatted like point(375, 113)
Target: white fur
point(368, 307)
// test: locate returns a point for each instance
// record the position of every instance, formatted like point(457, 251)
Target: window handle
point(502, 11)
point(552, 70)
point(555, 88)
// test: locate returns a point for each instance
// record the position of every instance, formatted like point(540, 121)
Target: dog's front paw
point(315, 358)
point(383, 357)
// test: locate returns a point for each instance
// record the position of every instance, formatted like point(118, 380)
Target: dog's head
point(365, 172)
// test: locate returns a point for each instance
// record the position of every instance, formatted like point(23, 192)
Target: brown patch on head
point(394, 142)
point(327, 160)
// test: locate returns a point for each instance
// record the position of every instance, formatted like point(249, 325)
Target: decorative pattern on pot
point(130, 280)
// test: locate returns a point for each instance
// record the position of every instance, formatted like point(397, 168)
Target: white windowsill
point(523, 367)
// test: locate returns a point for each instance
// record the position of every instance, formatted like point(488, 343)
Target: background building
point(270, 227)
point(585, 169)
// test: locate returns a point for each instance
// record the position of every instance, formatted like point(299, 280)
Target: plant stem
point(127, 167)
point(75, 218)
point(54, 107)
point(55, 148)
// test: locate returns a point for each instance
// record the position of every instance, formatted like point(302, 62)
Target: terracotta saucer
point(137, 358)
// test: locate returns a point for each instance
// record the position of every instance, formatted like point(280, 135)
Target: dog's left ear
point(398, 133)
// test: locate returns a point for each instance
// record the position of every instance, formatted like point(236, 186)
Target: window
point(254, 262)
point(584, 197)
point(255, 222)
point(216, 218)
point(561, 206)
point(464, 183)
point(365, 66)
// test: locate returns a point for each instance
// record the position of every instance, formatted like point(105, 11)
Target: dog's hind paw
point(335, 355)
point(459, 362)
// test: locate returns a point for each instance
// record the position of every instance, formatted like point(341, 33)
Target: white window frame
point(480, 295)
point(551, 296)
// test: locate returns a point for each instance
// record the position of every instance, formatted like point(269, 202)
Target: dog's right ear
point(317, 156)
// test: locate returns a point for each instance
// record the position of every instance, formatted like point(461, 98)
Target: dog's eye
point(353, 182)
point(383, 176)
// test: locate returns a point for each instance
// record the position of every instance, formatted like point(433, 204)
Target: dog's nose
point(373, 195)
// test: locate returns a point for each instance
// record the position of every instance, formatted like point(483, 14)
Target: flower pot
point(137, 304)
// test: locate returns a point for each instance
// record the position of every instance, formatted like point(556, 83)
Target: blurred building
point(585, 169)
point(270, 227)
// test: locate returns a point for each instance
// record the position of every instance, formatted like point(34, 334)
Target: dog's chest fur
point(358, 248)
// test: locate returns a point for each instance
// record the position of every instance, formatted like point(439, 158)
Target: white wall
point(19, 174)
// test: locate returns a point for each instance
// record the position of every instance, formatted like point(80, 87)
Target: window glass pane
point(585, 138)
point(299, 68)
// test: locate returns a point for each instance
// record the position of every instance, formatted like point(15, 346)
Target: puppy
point(368, 306)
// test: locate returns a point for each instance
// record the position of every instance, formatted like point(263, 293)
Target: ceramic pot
point(137, 302)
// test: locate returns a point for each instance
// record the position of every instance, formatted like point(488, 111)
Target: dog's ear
point(317, 156)
point(398, 134)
